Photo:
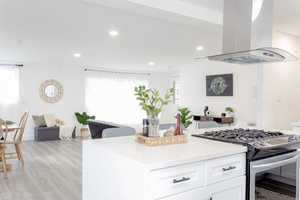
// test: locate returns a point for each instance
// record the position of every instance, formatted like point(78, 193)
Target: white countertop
point(196, 149)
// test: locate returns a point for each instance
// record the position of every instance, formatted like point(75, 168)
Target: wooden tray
point(166, 140)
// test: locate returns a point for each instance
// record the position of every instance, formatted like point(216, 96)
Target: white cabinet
point(228, 194)
point(227, 190)
point(120, 168)
point(225, 168)
point(177, 179)
point(216, 179)
point(197, 194)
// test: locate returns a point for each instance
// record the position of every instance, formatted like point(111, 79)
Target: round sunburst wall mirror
point(51, 91)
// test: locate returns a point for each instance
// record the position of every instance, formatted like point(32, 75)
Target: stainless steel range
point(266, 151)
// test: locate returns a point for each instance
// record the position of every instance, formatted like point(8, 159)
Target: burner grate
point(243, 135)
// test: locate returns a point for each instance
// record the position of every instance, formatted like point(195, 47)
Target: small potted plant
point(151, 102)
point(83, 118)
point(185, 117)
point(229, 111)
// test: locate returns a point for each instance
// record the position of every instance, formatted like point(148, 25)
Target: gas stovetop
point(260, 143)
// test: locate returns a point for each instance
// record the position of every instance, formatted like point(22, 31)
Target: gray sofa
point(49, 133)
point(46, 133)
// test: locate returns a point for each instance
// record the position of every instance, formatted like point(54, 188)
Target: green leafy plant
point(229, 110)
point(83, 118)
point(151, 101)
point(185, 117)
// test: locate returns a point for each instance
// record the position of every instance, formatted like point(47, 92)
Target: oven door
point(264, 165)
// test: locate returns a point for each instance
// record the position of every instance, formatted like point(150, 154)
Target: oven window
point(277, 184)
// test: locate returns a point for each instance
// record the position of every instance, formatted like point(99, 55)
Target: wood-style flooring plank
point(52, 171)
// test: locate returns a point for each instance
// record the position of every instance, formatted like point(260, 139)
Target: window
point(110, 97)
point(9, 86)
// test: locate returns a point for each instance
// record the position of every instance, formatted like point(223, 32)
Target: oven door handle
point(263, 167)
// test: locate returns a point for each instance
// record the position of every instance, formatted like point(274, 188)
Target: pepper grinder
point(178, 130)
point(145, 127)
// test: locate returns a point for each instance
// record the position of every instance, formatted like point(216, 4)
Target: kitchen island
point(120, 168)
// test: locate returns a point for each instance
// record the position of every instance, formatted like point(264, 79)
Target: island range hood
point(247, 34)
point(261, 55)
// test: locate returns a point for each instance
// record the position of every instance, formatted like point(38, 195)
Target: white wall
point(164, 81)
point(193, 89)
point(281, 86)
point(71, 76)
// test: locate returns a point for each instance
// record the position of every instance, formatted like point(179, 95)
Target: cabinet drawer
point(225, 168)
point(177, 179)
point(233, 189)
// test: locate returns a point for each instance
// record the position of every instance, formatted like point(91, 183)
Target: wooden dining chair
point(3, 134)
point(17, 140)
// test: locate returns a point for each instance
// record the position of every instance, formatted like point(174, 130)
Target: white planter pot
point(229, 114)
point(84, 132)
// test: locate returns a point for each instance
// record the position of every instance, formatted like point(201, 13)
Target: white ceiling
point(52, 30)
point(286, 16)
point(216, 5)
point(172, 10)
point(286, 12)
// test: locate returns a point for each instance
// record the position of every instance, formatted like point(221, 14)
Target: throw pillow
point(50, 120)
point(7, 122)
point(39, 120)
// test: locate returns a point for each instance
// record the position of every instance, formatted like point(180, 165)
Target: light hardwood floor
point(52, 171)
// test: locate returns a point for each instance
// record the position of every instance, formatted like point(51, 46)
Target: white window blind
point(10, 94)
point(110, 97)
point(9, 86)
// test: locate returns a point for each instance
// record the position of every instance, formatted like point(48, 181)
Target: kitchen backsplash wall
point(244, 99)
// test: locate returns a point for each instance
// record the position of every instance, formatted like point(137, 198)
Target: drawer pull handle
point(229, 168)
point(183, 179)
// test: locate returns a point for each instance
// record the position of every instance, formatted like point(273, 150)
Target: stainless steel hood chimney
point(247, 24)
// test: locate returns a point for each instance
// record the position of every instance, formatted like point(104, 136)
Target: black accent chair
point(97, 127)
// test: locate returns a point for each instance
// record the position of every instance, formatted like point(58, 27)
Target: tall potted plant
point(151, 102)
point(83, 118)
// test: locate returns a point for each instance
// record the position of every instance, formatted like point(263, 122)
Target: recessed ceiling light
point(199, 48)
point(151, 63)
point(113, 33)
point(77, 55)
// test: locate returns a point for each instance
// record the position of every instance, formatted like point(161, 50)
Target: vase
point(153, 126)
point(84, 132)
